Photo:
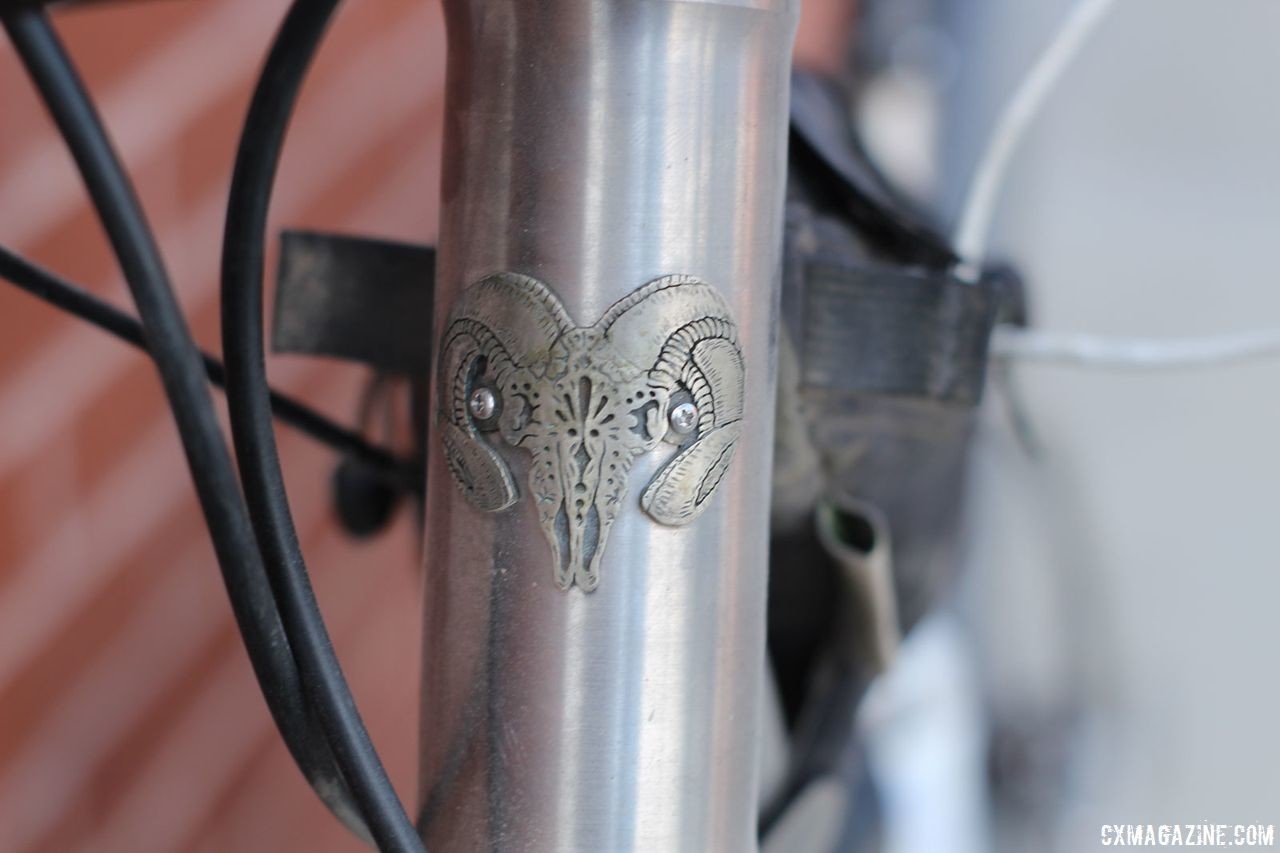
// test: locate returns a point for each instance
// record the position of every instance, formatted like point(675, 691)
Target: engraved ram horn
point(684, 329)
point(499, 325)
point(586, 402)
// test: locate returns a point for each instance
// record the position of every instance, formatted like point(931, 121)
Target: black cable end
point(362, 499)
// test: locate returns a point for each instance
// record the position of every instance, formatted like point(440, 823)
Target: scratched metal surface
point(649, 142)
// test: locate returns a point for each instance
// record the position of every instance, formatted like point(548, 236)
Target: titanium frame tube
point(596, 685)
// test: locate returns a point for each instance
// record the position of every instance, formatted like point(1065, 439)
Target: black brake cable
point(80, 303)
point(243, 259)
point(182, 374)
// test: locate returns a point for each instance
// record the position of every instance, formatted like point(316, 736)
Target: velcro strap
point(356, 299)
point(879, 330)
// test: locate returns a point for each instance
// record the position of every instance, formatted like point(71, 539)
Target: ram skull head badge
point(586, 401)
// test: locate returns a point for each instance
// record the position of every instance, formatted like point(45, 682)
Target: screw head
point(482, 404)
point(684, 418)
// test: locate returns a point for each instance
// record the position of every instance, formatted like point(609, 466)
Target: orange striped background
point(129, 719)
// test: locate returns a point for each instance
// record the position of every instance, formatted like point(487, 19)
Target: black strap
point(879, 330)
point(357, 299)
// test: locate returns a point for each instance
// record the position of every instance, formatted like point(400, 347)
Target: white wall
point(1138, 566)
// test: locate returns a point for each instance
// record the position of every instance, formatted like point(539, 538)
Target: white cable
point(970, 235)
point(1086, 350)
point(970, 239)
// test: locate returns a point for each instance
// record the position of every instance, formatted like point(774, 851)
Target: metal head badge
point(663, 363)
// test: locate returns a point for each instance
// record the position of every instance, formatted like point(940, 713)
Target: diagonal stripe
point(30, 415)
point(46, 591)
point(185, 611)
point(176, 75)
point(220, 733)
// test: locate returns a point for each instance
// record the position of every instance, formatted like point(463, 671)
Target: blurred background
point(1111, 649)
point(129, 717)
point(1108, 655)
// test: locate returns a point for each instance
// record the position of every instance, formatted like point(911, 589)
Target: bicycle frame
point(611, 228)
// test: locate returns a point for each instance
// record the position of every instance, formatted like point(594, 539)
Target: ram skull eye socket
point(662, 364)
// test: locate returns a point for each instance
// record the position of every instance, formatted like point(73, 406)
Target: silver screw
point(684, 418)
point(482, 404)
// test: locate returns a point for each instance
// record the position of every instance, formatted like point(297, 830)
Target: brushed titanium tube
point(598, 503)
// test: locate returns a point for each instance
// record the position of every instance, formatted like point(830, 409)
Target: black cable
point(182, 374)
point(243, 257)
point(75, 300)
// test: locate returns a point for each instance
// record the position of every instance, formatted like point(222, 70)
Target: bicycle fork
point(602, 405)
